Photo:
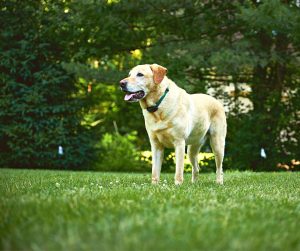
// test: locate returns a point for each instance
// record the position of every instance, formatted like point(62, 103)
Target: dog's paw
point(178, 182)
point(155, 181)
point(194, 177)
point(220, 181)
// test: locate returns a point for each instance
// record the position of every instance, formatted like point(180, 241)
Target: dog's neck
point(152, 98)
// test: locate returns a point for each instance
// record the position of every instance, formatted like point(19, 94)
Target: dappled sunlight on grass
point(61, 210)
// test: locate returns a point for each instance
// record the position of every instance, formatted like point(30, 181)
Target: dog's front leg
point(179, 155)
point(157, 158)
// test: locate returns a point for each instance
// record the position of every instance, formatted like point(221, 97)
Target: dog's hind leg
point(193, 151)
point(217, 143)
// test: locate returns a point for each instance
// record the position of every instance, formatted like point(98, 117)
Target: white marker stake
point(263, 153)
point(60, 150)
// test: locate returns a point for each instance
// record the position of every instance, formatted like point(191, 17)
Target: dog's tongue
point(128, 96)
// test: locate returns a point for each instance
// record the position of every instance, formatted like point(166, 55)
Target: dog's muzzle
point(130, 95)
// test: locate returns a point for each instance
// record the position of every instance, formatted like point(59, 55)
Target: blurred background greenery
point(61, 62)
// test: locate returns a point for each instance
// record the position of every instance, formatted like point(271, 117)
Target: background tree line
point(61, 61)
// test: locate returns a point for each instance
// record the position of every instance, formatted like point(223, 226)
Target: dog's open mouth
point(134, 96)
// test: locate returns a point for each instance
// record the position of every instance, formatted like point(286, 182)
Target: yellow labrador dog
point(174, 119)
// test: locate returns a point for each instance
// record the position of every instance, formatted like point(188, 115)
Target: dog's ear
point(159, 72)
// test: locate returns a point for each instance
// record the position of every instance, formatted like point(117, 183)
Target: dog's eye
point(140, 74)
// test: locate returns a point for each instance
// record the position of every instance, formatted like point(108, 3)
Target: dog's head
point(141, 81)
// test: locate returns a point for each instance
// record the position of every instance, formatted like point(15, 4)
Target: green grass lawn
point(59, 210)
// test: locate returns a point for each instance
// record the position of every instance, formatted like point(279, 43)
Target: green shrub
point(119, 153)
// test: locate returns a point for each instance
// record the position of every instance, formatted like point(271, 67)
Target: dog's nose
point(123, 83)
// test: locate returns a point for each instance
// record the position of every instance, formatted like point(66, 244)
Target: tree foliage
point(40, 106)
point(243, 52)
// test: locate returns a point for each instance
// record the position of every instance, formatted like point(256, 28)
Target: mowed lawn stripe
point(62, 210)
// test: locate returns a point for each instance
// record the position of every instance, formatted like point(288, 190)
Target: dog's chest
point(163, 131)
point(165, 136)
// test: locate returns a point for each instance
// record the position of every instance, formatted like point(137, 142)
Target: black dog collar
point(155, 107)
